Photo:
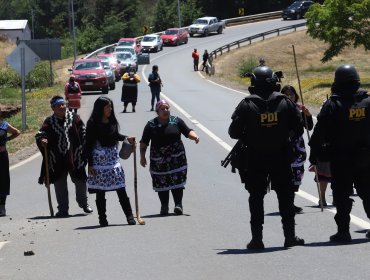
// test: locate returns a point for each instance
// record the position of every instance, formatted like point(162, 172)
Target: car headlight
point(174, 39)
point(292, 11)
point(101, 75)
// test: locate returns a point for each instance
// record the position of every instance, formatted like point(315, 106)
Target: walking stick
point(139, 219)
point(306, 124)
point(47, 181)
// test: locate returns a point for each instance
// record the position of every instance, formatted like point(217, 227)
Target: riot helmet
point(262, 76)
point(346, 74)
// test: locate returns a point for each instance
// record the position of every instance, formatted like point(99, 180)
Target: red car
point(175, 36)
point(90, 74)
point(131, 42)
point(112, 62)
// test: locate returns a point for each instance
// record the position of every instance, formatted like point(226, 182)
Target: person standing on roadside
point(205, 59)
point(298, 144)
point(72, 92)
point(63, 135)
point(195, 56)
point(129, 89)
point(5, 129)
point(342, 137)
point(168, 164)
point(155, 84)
point(264, 122)
point(105, 170)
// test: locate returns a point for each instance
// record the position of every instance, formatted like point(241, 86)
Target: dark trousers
point(155, 95)
point(196, 62)
point(345, 176)
point(121, 193)
point(4, 174)
point(123, 199)
point(164, 197)
point(127, 102)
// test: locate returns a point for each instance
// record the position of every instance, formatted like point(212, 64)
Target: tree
point(341, 24)
point(190, 10)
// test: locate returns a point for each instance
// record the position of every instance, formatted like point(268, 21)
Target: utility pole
point(73, 31)
point(32, 19)
point(179, 12)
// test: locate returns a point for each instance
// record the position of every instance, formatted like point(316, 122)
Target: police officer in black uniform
point(265, 121)
point(342, 134)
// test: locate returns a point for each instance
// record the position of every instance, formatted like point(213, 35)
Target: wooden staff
point(306, 124)
point(139, 219)
point(47, 180)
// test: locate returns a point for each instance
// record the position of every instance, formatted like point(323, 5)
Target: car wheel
point(298, 16)
point(177, 42)
point(191, 34)
point(219, 30)
point(105, 90)
point(186, 41)
point(205, 33)
point(161, 47)
point(112, 86)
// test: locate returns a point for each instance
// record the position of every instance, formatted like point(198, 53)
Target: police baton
point(306, 124)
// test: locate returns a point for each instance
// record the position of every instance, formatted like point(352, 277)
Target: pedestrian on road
point(5, 129)
point(105, 170)
point(63, 134)
point(129, 88)
point(324, 177)
point(195, 56)
point(155, 84)
point(265, 121)
point(298, 144)
point(168, 164)
point(72, 92)
point(205, 59)
point(342, 134)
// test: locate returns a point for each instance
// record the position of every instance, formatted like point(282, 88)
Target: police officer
point(342, 134)
point(265, 121)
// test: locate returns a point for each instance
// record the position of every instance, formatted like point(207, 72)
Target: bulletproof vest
point(266, 122)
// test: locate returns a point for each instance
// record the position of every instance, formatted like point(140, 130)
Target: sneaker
point(87, 209)
point(62, 214)
point(298, 210)
point(341, 237)
point(2, 211)
point(178, 210)
point(130, 220)
point(255, 244)
point(295, 241)
point(164, 210)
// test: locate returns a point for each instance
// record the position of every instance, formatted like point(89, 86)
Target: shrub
point(247, 65)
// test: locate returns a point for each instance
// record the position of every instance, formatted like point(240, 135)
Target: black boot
point(256, 242)
point(341, 237)
point(126, 207)
point(177, 197)
point(164, 197)
point(291, 239)
point(101, 207)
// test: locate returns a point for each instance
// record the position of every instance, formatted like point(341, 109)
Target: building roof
point(13, 24)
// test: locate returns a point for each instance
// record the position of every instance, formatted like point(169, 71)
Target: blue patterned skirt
point(168, 167)
point(109, 172)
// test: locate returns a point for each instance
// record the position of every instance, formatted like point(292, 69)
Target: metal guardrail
point(238, 43)
point(228, 22)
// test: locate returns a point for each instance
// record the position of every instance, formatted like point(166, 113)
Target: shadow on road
point(247, 252)
point(163, 216)
point(330, 244)
point(50, 217)
point(98, 226)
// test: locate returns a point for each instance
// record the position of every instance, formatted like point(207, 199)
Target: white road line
point(2, 244)
point(25, 161)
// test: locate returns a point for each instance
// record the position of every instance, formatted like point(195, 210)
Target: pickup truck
point(206, 25)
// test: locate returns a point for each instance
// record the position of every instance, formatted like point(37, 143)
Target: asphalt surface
point(208, 241)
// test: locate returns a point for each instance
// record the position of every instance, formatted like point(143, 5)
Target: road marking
point(25, 161)
point(2, 244)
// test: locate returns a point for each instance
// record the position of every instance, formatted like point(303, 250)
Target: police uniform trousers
point(275, 169)
point(348, 172)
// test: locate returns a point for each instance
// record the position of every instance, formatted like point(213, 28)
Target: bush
point(247, 65)
point(9, 77)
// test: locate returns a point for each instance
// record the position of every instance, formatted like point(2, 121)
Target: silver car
point(152, 43)
point(110, 73)
point(125, 61)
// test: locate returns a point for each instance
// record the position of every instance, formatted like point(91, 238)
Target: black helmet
point(263, 75)
point(346, 74)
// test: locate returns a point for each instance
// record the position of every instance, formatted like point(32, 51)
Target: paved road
point(208, 242)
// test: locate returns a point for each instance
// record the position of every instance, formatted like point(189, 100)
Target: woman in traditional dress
point(105, 170)
point(298, 144)
point(168, 164)
point(72, 91)
point(129, 89)
point(5, 128)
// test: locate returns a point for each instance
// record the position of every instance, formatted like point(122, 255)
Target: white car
point(126, 49)
point(152, 43)
point(125, 61)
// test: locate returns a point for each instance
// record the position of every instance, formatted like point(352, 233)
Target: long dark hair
point(292, 89)
point(98, 111)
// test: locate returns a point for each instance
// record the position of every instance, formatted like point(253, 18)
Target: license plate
point(89, 83)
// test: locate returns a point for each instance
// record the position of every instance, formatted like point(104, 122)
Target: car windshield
point(295, 5)
point(131, 50)
point(171, 32)
point(125, 43)
point(88, 65)
point(148, 39)
point(105, 63)
point(201, 21)
point(124, 56)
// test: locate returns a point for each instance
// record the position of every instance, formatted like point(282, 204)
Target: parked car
point(110, 74)
point(206, 25)
point(130, 42)
point(297, 9)
point(175, 36)
point(126, 49)
point(112, 62)
point(152, 43)
point(91, 75)
point(125, 61)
